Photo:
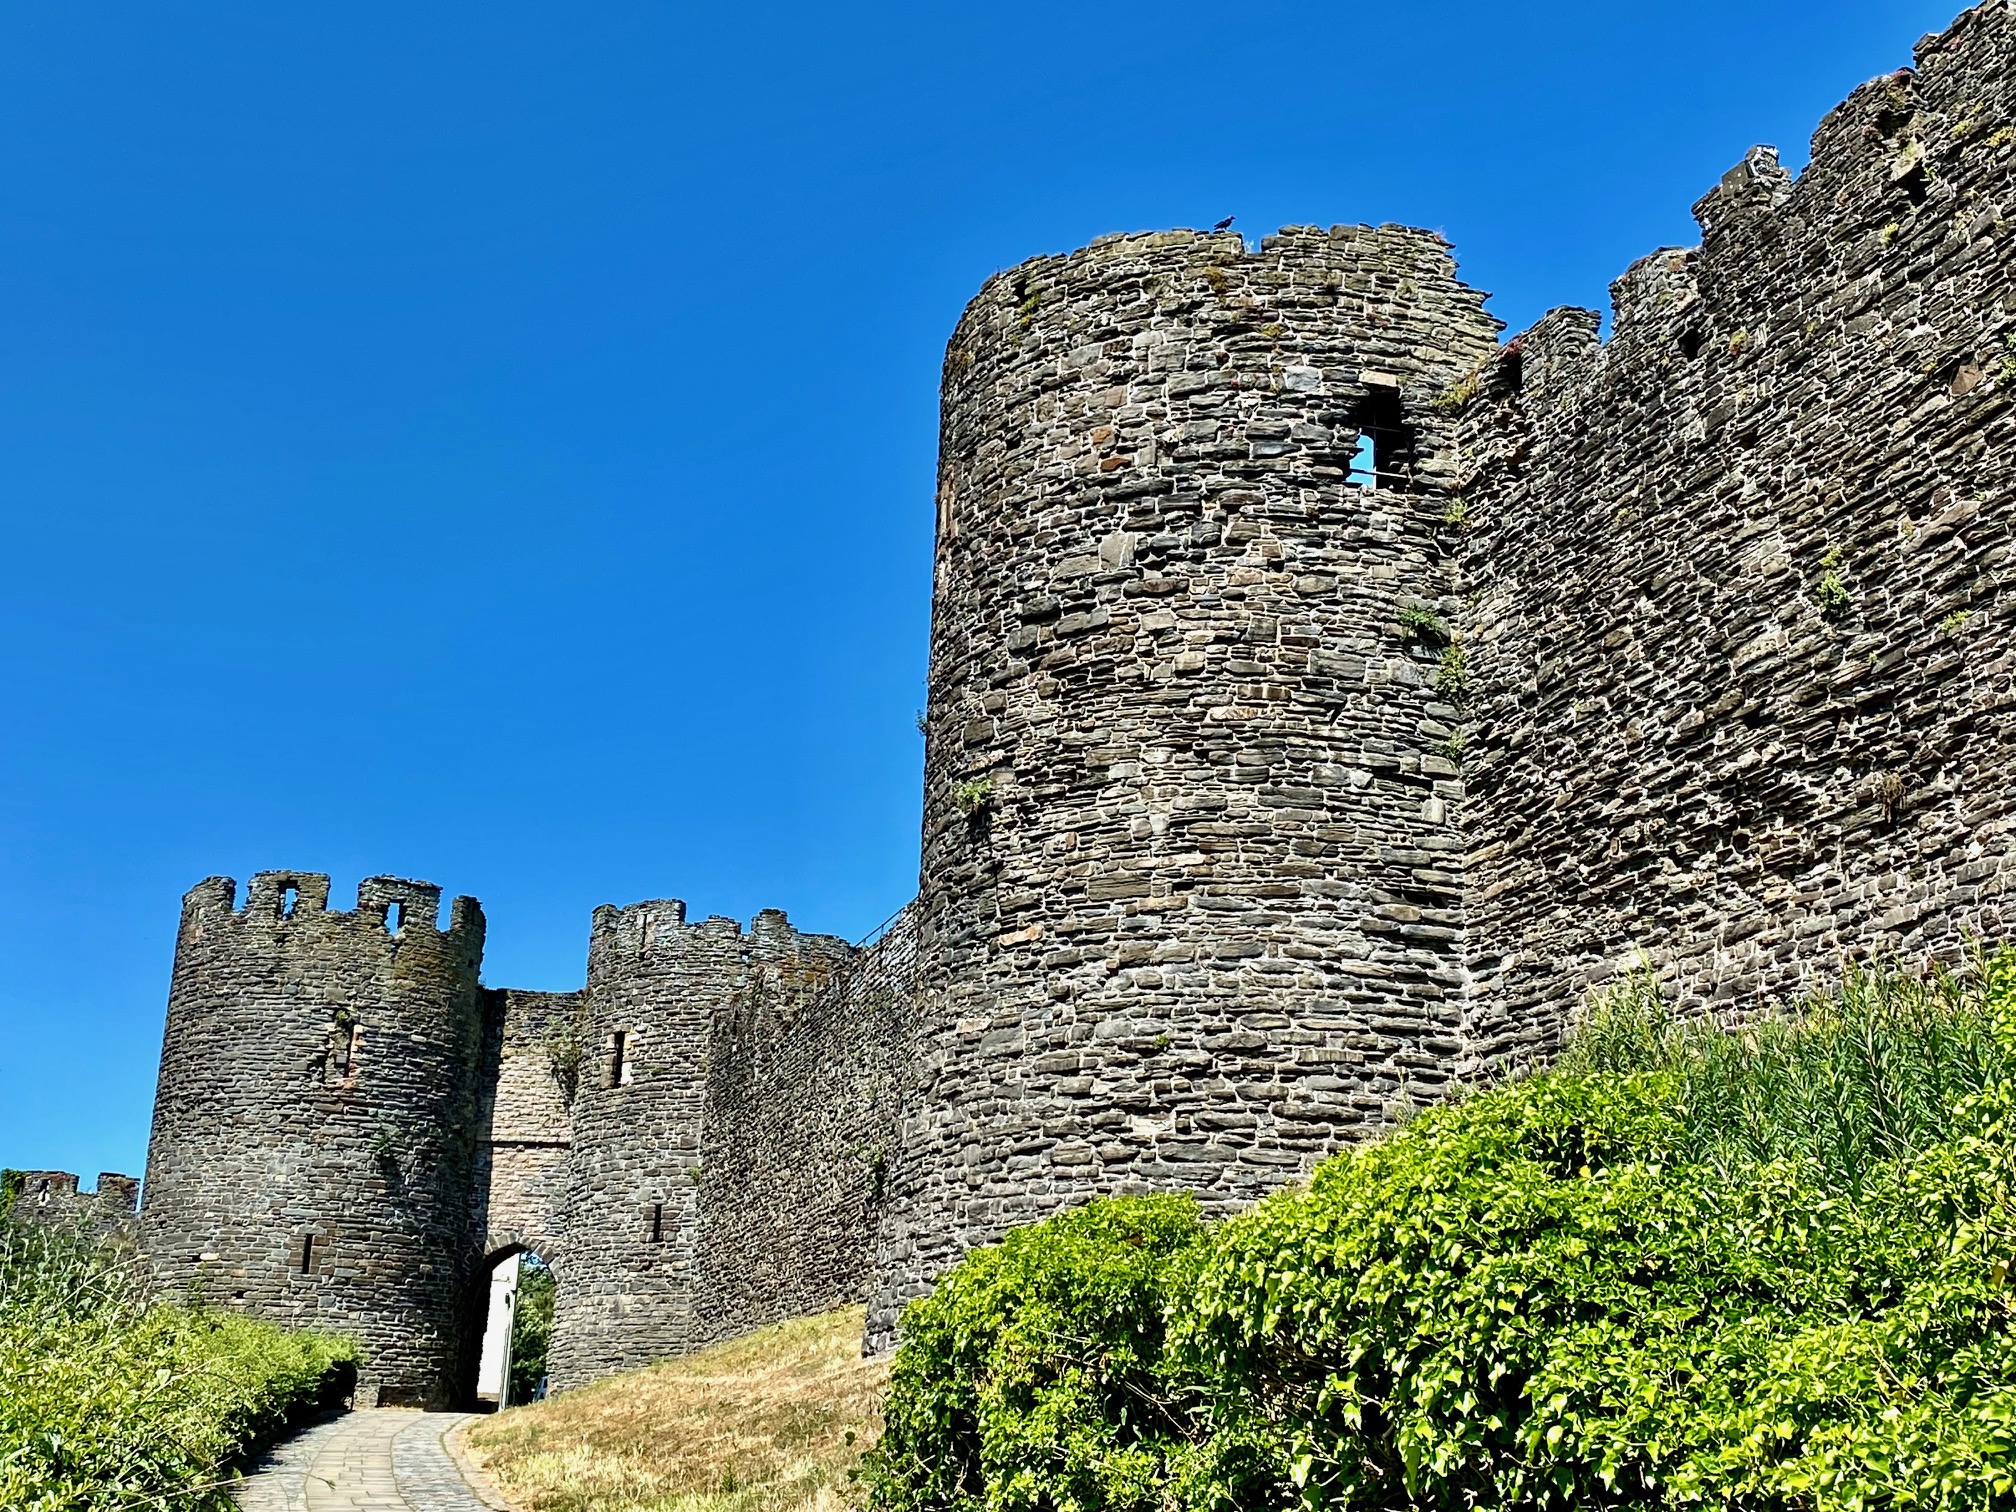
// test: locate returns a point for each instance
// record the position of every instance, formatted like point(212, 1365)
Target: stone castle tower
point(1190, 882)
point(1324, 699)
point(314, 1143)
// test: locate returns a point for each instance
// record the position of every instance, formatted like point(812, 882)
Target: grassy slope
point(772, 1421)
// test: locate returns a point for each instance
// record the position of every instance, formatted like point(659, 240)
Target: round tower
point(1190, 894)
point(313, 1149)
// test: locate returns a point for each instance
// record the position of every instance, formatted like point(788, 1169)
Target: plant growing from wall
point(874, 1159)
point(1831, 593)
point(1420, 623)
point(974, 796)
point(1459, 395)
point(1452, 678)
point(566, 1045)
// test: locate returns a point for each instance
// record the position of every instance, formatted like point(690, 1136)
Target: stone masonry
point(1325, 697)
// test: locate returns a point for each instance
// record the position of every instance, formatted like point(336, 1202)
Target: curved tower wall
point(1190, 886)
point(313, 1146)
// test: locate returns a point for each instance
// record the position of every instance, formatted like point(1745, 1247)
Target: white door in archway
point(493, 1371)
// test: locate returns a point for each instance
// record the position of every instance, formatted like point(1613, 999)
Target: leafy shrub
point(107, 1400)
point(1760, 1267)
point(1033, 1376)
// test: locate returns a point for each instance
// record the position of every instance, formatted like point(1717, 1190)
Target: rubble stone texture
point(1740, 640)
point(1270, 788)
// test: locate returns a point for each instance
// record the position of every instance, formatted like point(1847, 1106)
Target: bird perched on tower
point(1225, 224)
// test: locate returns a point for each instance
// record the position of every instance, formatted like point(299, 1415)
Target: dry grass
point(771, 1422)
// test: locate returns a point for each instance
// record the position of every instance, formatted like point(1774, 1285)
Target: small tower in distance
point(313, 1149)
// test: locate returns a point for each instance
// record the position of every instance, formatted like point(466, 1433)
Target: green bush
point(1763, 1267)
point(109, 1401)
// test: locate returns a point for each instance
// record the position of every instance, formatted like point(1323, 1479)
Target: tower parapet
point(313, 1147)
point(52, 1198)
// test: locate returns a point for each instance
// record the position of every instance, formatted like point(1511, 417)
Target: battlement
point(292, 907)
point(1737, 577)
point(53, 1198)
point(1912, 166)
point(658, 927)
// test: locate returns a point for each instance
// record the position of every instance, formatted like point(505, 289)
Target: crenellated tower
point(313, 1149)
point(660, 991)
point(1190, 884)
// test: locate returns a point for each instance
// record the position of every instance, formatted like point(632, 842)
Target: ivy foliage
point(1765, 1267)
point(108, 1400)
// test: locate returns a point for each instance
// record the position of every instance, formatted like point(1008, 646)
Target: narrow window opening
point(347, 1060)
point(657, 1223)
point(395, 917)
point(289, 896)
point(307, 1253)
point(619, 1051)
point(1691, 343)
point(1384, 456)
point(1365, 462)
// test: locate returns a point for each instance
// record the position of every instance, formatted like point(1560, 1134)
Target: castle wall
point(802, 1101)
point(533, 1058)
point(313, 1149)
point(1190, 888)
point(51, 1198)
point(1741, 648)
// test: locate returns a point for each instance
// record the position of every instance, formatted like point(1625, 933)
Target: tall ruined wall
point(801, 1117)
point(1741, 643)
point(630, 1268)
point(51, 1198)
point(1189, 889)
point(314, 1142)
point(532, 1062)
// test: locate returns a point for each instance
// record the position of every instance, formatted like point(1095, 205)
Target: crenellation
point(53, 1199)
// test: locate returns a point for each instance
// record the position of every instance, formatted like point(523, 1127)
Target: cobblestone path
point(382, 1460)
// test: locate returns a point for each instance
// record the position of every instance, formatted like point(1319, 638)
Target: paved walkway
point(380, 1460)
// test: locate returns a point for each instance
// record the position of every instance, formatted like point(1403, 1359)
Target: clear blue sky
point(494, 443)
